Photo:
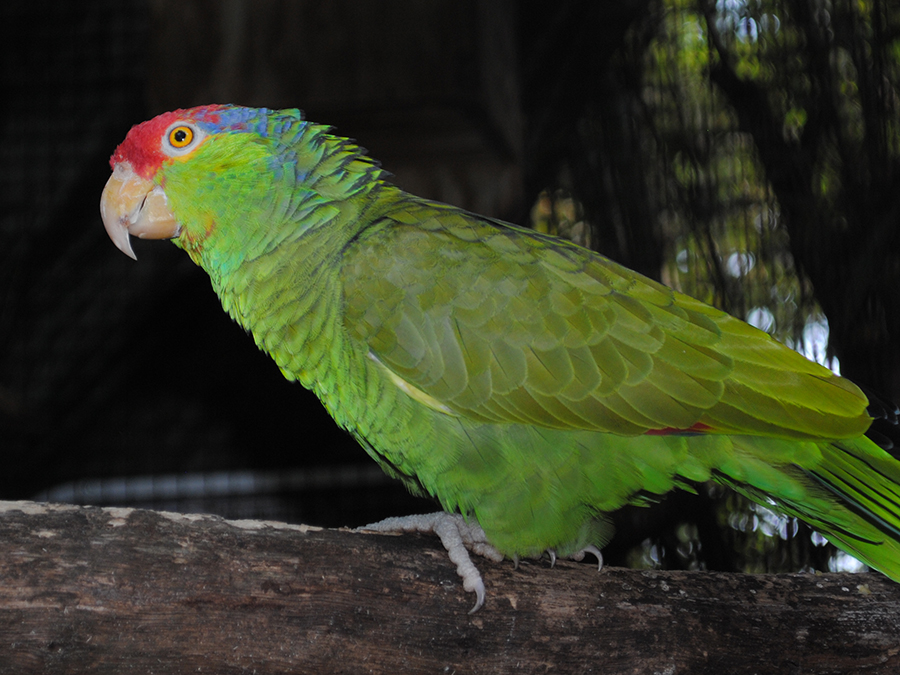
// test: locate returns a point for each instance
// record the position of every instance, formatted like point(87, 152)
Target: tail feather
point(867, 482)
point(853, 499)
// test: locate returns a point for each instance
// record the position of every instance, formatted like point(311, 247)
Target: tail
point(851, 495)
point(866, 481)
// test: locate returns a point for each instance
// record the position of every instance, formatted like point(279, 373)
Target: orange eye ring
point(181, 136)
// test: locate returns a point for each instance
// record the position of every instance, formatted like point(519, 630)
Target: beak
point(132, 205)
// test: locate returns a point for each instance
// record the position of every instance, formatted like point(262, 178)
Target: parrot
point(528, 385)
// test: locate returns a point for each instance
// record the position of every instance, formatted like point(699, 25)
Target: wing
point(486, 320)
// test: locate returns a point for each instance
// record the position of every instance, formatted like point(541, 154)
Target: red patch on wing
point(142, 147)
point(698, 428)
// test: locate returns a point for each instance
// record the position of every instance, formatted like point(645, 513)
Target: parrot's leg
point(456, 535)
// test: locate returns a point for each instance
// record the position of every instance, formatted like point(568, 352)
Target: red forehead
point(142, 147)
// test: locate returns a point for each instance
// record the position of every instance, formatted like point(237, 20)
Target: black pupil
point(180, 135)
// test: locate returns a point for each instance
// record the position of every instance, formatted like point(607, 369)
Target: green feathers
point(503, 325)
point(517, 378)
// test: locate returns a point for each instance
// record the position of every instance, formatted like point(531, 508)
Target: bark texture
point(93, 590)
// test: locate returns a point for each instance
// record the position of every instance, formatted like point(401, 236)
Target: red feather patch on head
point(142, 147)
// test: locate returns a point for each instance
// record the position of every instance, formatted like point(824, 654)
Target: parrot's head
point(220, 177)
point(157, 156)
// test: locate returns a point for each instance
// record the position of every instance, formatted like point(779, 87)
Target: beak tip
point(123, 243)
point(119, 235)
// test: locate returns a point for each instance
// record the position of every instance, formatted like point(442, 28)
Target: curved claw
point(552, 553)
point(594, 551)
point(478, 588)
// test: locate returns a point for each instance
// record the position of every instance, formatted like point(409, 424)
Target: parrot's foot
point(456, 535)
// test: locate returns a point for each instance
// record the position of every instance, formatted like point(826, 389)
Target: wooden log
point(91, 590)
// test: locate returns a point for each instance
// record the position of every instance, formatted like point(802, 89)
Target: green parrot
point(529, 385)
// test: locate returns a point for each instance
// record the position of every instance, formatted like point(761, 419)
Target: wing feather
point(501, 324)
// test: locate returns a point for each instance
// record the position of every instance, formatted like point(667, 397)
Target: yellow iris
point(181, 136)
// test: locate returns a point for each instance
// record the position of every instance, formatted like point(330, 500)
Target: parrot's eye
point(181, 138)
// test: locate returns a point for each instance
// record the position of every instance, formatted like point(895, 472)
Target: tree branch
point(93, 590)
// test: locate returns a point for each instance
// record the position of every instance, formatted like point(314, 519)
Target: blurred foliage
point(726, 243)
point(730, 220)
point(560, 214)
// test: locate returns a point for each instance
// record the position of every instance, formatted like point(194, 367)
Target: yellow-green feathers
point(502, 325)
